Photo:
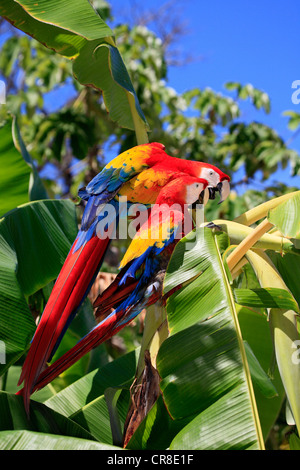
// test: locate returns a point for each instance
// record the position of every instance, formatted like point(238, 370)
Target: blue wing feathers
point(107, 181)
point(91, 219)
point(136, 264)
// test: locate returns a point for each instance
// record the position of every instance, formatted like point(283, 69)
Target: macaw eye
point(197, 185)
point(211, 172)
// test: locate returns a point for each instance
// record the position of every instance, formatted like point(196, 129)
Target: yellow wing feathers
point(151, 233)
point(150, 179)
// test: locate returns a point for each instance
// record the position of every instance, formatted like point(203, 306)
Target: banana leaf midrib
point(242, 349)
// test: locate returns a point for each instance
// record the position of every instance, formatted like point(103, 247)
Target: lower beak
point(224, 190)
point(212, 193)
point(204, 196)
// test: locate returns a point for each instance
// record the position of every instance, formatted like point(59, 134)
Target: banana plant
point(207, 309)
point(200, 303)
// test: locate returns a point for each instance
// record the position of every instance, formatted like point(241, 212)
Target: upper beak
point(224, 190)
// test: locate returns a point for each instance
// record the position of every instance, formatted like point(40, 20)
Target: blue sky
point(254, 42)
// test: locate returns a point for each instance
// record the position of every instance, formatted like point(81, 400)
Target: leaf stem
point(261, 211)
point(238, 267)
point(247, 243)
point(155, 332)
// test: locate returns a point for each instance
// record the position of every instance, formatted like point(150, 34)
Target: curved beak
point(224, 190)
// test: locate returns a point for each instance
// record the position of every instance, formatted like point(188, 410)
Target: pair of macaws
point(145, 174)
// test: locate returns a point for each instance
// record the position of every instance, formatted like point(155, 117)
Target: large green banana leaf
point(19, 180)
point(286, 217)
point(42, 419)
point(75, 30)
point(14, 173)
point(289, 269)
point(81, 409)
point(86, 402)
point(29, 440)
point(46, 429)
point(34, 241)
point(203, 364)
point(256, 331)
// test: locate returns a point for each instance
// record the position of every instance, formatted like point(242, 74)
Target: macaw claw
point(213, 226)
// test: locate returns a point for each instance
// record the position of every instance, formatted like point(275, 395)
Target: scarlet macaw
point(142, 270)
point(139, 174)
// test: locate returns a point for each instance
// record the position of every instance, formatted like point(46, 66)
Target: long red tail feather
point(113, 295)
point(69, 290)
point(97, 336)
point(102, 332)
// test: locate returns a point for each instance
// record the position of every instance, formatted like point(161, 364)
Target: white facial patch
point(210, 175)
point(193, 192)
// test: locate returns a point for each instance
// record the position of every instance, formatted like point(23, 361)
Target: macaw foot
point(214, 227)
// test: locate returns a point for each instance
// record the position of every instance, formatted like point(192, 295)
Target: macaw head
point(217, 181)
point(197, 191)
point(184, 190)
